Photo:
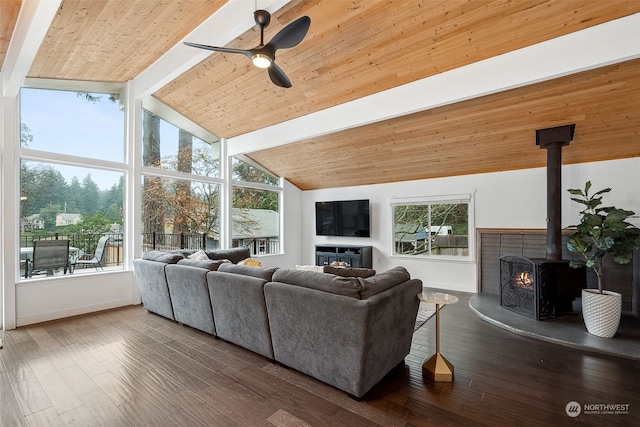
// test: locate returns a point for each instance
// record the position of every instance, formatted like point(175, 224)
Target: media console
point(355, 256)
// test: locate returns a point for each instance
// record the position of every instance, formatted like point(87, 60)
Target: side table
point(438, 368)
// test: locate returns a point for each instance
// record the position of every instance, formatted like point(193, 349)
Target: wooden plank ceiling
point(354, 49)
point(488, 134)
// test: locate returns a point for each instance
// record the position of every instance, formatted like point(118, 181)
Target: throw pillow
point(199, 256)
point(234, 254)
point(250, 262)
point(349, 271)
point(260, 272)
point(161, 256)
point(207, 264)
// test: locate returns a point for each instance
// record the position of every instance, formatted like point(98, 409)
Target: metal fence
point(169, 242)
point(83, 244)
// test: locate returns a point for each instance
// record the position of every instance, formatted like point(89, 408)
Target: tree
point(41, 186)
point(90, 195)
point(152, 212)
point(26, 136)
point(48, 214)
point(113, 196)
point(113, 214)
point(181, 220)
point(75, 196)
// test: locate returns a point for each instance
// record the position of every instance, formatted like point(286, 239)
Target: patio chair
point(97, 259)
point(47, 256)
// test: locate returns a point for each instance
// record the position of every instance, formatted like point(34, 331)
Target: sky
point(64, 123)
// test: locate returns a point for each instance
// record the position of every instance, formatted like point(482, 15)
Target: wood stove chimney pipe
point(553, 139)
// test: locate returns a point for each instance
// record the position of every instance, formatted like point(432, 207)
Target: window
point(179, 213)
point(71, 172)
point(180, 185)
point(245, 170)
point(256, 207)
point(169, 147)
point(256, 220)
point(432, 227)
point(84, 124)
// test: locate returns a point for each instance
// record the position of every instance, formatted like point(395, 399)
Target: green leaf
point(606, 190)
point(623, 258)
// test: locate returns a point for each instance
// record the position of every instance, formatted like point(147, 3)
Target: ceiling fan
point(264, 56)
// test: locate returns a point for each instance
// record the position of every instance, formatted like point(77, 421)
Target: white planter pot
point(601, 312)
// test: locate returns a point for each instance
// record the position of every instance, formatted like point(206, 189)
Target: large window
point(256, 208)
point(180, 185)
point(71, 176)
point(438, 227)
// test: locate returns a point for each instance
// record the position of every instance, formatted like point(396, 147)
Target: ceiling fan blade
point(278, 77)
point(291, 35)
point(246, 53)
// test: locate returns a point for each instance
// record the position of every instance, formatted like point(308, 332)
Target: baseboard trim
point(76, 311)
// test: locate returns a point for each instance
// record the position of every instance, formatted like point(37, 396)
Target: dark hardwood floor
point(128, 367)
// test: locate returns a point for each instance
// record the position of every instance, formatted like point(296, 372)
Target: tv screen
point(348, 218)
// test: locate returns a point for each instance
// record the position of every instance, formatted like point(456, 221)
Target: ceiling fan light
point(261, 60)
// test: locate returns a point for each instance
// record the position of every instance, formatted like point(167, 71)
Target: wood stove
point(539, 288)
point(543, 288)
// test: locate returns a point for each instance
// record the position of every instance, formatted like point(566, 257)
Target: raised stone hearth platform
point(567, 330)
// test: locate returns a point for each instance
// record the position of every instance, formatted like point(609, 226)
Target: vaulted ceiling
point(383, 91)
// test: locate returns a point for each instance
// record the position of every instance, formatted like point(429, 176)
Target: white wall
point(515, 199)
point(39, 300)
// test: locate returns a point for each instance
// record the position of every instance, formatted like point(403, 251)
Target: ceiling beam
point(228, 23)
point(31, 27)
point(605, 44)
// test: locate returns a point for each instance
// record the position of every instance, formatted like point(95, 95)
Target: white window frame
point(431, 200)
point(54, 158)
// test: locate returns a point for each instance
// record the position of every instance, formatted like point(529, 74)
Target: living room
point(318, 151)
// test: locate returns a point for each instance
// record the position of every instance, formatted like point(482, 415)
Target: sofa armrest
point(390, 326)
point(239, 310)
point(190, 296)
point(152, 282)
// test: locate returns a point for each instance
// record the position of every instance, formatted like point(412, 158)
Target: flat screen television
point(348, 218)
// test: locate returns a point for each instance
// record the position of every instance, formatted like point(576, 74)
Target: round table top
point(437, 298)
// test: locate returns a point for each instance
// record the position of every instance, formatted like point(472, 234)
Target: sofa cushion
point(234, 254)
point(161, 256)
point(349, 271)
point(347, 286)
point(383, 281)
point(265, 273)
point(209, 264)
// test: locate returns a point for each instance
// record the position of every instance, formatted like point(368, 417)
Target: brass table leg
point(438, 368)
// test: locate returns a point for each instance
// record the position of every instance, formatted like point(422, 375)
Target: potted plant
point(602, 232)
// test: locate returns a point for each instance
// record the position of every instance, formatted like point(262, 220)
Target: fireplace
point(543, 288)
point(539, 288)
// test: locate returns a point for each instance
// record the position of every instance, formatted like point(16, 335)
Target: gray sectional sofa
point(347, 328)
